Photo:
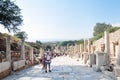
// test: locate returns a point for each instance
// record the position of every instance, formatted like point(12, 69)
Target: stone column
point(22, 50)
point(31, 54)
point(117, 55)
point(89, 46)
point(85, 45)
point(85, 53)
point(81, 51)
point(8, 51)
point(76, 50)
point(107, 47)
point(67, 48)
point(85, 57)
point(41, 52)
point(91, 59)
point(72, 51)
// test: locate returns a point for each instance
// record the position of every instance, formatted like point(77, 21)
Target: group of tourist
point(46, 61)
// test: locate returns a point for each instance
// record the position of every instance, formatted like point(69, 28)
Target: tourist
point(48, 61)
point(43, 62)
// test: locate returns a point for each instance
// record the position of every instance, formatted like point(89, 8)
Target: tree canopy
point(100, 28)
point(65, 43)
point(22, 35)
point(10, 15)
point(36, 44)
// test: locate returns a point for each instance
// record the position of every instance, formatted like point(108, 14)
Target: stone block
point(91, 60)
point(100, 59)
point(117, 71)
point(118, 78)
point(18, 64)
point(4, 73)
point(95, 68)
point(110, 74)
point(4, 66)
point(104, 68)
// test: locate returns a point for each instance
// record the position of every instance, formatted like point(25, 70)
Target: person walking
point(48, 62)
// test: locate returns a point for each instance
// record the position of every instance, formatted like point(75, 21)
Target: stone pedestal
point(91, 59)
point(4, 66)
point(4, 69)
point(100, 60)
point(117, 71)
point(18, 64)
point(85, 57)
point(117, 55)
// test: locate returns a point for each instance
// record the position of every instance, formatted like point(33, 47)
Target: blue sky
point(47, 20)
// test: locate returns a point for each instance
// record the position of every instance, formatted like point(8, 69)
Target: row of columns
point(8, 50)
point(87, 52)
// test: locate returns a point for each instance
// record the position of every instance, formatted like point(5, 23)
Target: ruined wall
point(114, 40)
point(97, 44)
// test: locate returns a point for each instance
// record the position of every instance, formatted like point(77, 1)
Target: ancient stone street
point(63, 68)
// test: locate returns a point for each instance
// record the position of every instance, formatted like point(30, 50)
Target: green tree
point(113, 29)
point(10, 15)
point(48, 47)
point(100, 28)
point(38, 42)
point(35, 45)
point(22, 35)
point(65, 43)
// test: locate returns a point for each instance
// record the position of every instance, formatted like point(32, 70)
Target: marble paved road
point(63, 68)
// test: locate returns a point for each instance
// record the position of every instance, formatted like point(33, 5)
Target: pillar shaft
point(89, 47)
point(85, 45)
point(8, 51)
point(107, 47)
point(31, 54)
point(22, 50)
point(107, 44)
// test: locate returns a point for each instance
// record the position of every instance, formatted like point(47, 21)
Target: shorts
point(48, 62)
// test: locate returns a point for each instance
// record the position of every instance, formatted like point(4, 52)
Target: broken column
point(31, 54)
point(81, 51)
point(22, 50)
point(8, 51)
point(89, 46)
point(91, 55)
point(41, 53)
point(85, 53)
point(85, 45)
